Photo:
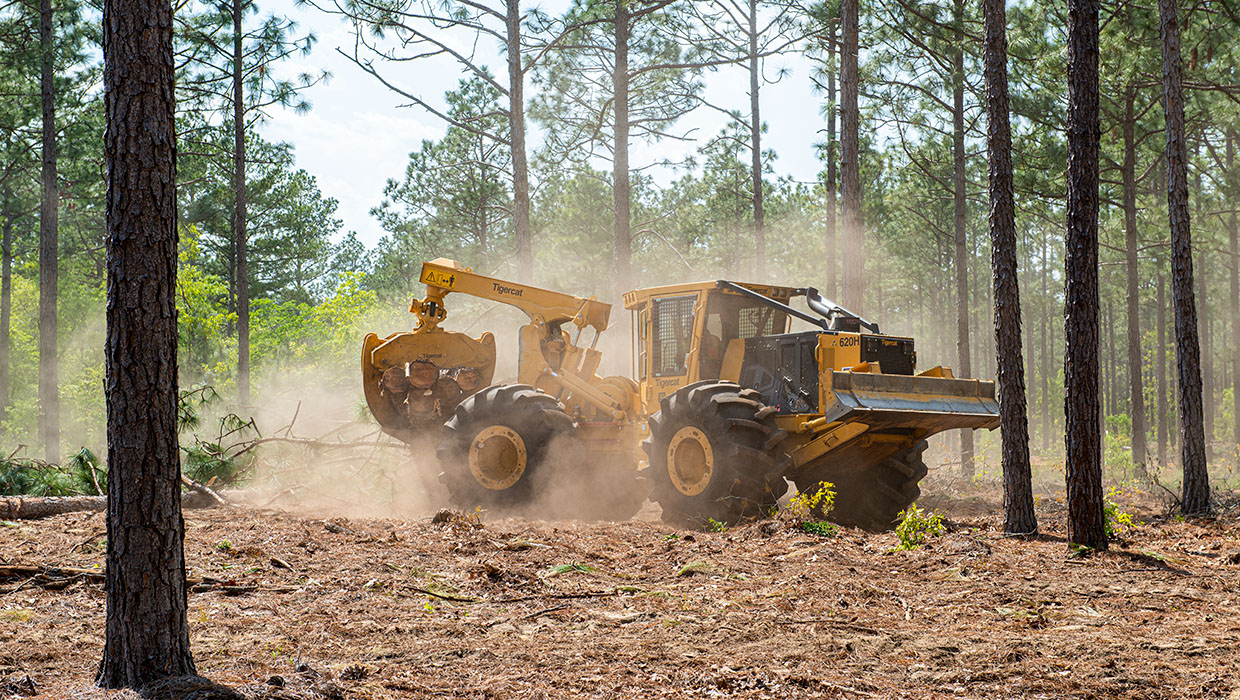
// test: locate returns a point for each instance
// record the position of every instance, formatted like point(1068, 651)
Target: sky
point(358, 134)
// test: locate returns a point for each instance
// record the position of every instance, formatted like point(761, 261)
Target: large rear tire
point(711, 453)
point(496, 442)
point(872, 498)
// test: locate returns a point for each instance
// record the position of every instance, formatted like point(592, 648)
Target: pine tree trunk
point(1196, 497)
point(1135, 383)
point(146, 634)
point(755, 132)
point(1083, 441)
point(523, 237)
point(621, 232)
point(1206, 328)
point(1233, 237)
point(1018, 512)
point(1162, 371)
point(6, 304)
point(49, 369)
point(850, 165)
point(239, 210)
point(1113, 381)
point(961, 260)
point(832, 232)
point(1046, 350)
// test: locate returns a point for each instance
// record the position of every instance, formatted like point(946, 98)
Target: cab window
point(672, 333)
point(643, 332)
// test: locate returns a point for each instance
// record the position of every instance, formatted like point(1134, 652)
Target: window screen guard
point(673, 330)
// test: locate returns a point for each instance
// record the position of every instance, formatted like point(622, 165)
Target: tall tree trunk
point(959, 195)
point(1162, 370)
point(6, 303)
point(1196, 497)
point(832, 245)
point(621, 231)
point(49, 367)
point(1206, 328)
point(850, 165)
point(1083, 440)
point(146, 633)
point(1045, 350)
point(523, 236)
point(239, 209)
point(755, 131)
point(1112, 383)
point(1135, 383)
point(1233, 237)
point(1018, 512)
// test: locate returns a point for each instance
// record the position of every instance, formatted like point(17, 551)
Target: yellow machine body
point(843, 399)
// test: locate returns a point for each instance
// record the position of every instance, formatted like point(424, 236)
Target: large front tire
point(496, 442)
point(872, 498)
point(711, 453)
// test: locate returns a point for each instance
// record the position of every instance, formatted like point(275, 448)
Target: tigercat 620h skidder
point(725, 406)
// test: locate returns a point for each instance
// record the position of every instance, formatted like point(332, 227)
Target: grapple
point(415, 379)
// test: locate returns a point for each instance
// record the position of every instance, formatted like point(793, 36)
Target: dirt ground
point(293, 605)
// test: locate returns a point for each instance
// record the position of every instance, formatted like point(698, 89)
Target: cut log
point(31, 507)
point(35, 507)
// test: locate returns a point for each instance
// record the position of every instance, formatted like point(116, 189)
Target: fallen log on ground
point(32, 507)
point(35, 507)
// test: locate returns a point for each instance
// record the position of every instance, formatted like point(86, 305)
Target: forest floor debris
point(295, 605)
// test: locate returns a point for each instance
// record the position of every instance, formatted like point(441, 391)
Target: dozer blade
point(922, 403)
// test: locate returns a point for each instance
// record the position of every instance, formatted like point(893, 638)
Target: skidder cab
point(737, 403)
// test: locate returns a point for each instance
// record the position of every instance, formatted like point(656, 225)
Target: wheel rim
point(497, 457)
point(690, 461)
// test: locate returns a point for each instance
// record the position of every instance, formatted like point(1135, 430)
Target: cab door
point(672, 320)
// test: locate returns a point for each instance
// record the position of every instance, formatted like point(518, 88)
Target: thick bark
point(850, 165)
point(1135, 384)
point(961, 260)
point(1009, 357)
point(755, 131)
point(1233, 237)
point(49, 370)
point(1083, 441)
point(239, 209)
point(146, 635)
point(832, 245)
point(1196, 497)
point(1162, 370)
point(522, 233)
point(621, 215)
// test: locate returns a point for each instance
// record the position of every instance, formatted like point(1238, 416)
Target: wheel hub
point(690, 461)
point(497, 457)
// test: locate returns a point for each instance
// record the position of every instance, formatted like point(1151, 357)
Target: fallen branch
point(204, 490)
point(60, 577)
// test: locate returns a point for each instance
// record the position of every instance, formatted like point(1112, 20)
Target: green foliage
point(1117, 454)
point(89, 475)
point(819, 527)
point(916, 526)
point(1115, 519)
point(809, 504)
point(716, 526)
